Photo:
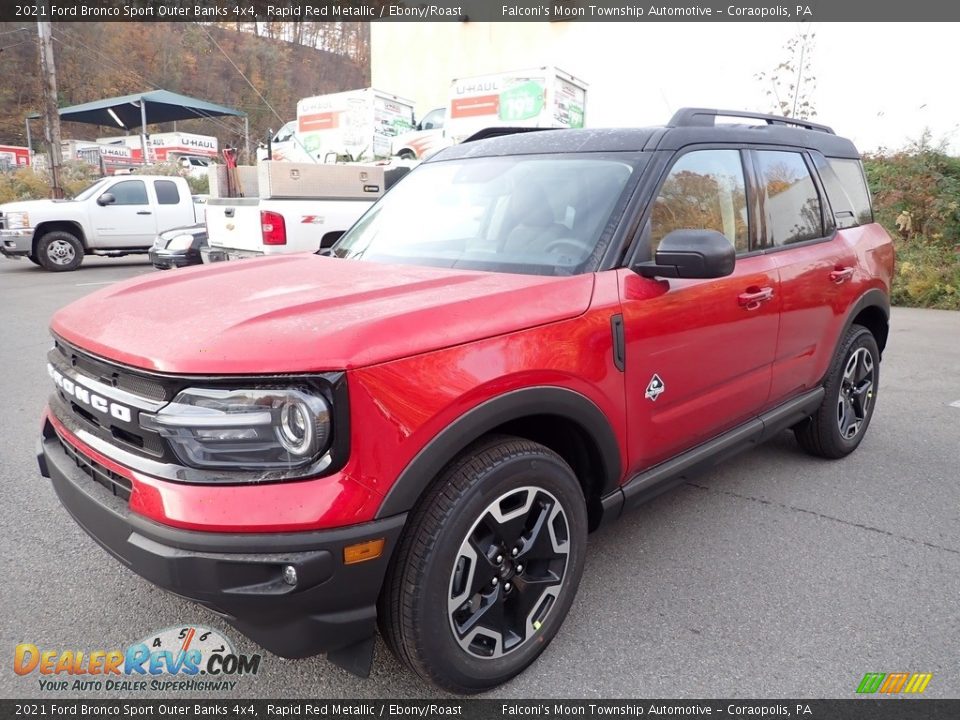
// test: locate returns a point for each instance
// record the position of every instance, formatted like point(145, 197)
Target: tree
point(791, 85)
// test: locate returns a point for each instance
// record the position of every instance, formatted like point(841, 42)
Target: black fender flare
point(483, 418)
point(874, 297)
point(70, 226)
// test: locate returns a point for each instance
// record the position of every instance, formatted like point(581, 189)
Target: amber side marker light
point(361, 552)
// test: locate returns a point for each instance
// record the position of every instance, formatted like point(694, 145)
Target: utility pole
point(52, 124)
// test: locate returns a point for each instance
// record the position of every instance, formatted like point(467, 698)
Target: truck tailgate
point(234, 223)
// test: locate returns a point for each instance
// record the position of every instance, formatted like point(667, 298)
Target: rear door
point(698, 352)
point(129, 221)
point(174, 209)
point(817, 264)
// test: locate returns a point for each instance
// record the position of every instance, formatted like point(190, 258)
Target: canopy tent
point(147, 108)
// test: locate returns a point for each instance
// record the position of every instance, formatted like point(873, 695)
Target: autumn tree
point(791, 85)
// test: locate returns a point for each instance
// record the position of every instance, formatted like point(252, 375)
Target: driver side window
point(705, 190)
point(130, 192)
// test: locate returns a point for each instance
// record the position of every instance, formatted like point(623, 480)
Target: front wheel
point(840, 423)
point(59, 251)
point(488, 567)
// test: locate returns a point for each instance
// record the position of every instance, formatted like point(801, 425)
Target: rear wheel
point(488, 567)
point(838, 426)
point(59, 251)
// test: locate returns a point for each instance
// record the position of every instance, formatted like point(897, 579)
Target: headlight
point(245, 429)
point(17, 220)
point(180, 242)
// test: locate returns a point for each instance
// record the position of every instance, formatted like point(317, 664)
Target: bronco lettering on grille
point(85, 396)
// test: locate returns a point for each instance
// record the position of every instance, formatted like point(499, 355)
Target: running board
point(647, 485)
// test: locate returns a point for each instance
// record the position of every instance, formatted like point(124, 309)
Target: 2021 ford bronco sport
point(529, 334)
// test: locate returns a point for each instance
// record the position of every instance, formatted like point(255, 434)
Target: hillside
point(100, 60)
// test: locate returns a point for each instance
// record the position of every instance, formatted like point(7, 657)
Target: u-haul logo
point(85, 396)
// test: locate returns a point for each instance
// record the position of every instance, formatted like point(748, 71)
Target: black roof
point(688, 126)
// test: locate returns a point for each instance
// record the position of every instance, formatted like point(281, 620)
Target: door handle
point(754, 297)
point(841, 275)
point(144, 212)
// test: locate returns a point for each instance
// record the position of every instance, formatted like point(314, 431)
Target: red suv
point(529, 334)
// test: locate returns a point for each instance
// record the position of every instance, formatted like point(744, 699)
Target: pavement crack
point(861, 526)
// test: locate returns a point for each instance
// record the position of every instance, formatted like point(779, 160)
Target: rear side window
point(791, 203)
point(167, 193)
point(705, 190)
point(854, 184)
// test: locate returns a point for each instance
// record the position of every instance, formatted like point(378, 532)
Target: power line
point(135, 75)
point(235, 67)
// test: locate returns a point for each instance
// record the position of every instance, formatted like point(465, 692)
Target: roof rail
point(706, 117)
point(492, 132)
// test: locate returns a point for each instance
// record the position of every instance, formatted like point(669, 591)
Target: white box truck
point(536, 97)
point(356, 125)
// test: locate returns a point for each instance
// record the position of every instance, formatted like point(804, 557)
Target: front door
point(129, 220)
point(698, 352)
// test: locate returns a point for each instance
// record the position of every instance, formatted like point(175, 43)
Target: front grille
point(112, 375)
point(2, 222)
point(116, 484)
point(119, 385)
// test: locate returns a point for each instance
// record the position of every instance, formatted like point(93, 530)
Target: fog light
point(361, 552)
point(290, 575)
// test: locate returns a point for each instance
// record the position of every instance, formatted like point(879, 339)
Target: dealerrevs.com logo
point(185, 658)
point(893, 683)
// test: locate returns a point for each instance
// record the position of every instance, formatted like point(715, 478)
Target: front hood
point(31, 206)
point(306, 313)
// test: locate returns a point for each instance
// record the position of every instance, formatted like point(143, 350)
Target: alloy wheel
point(856, 393)
point(508, 572)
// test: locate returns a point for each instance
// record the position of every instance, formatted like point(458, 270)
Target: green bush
point(30, 184)
point(923, 182)
point(198, 186)
point(928, 275)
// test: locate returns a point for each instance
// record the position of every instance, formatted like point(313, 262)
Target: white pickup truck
point(115, 216)
point(295, 207)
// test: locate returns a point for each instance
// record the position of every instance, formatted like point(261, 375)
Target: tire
point(59, 251)
point(439, 604)
point(839, 424)
point(33, 259)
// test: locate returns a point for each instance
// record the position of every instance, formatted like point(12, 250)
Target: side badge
point(655, 387)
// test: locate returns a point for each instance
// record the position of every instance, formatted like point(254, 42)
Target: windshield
point(84, 194)
point(531, 214)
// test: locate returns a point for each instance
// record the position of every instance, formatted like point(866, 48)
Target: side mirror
point(691, 254)
point(106, 199)
point(330, 238)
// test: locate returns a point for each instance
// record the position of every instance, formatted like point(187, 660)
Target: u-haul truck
point(541, 97)
point(166, 146)
point(356, 125)
point(14, 156)
point(538, 97)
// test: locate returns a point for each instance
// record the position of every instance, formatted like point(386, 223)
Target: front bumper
point(221, 254)
point(166, 259)
point(16, 243)
point(239, 576)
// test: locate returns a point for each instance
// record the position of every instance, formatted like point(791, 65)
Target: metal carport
point(149, 108)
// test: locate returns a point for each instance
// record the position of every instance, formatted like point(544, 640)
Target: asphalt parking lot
point(777, 575)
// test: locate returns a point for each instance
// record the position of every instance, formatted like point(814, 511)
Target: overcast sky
point(877, 83)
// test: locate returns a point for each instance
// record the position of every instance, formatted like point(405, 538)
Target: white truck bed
point(316, 203)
